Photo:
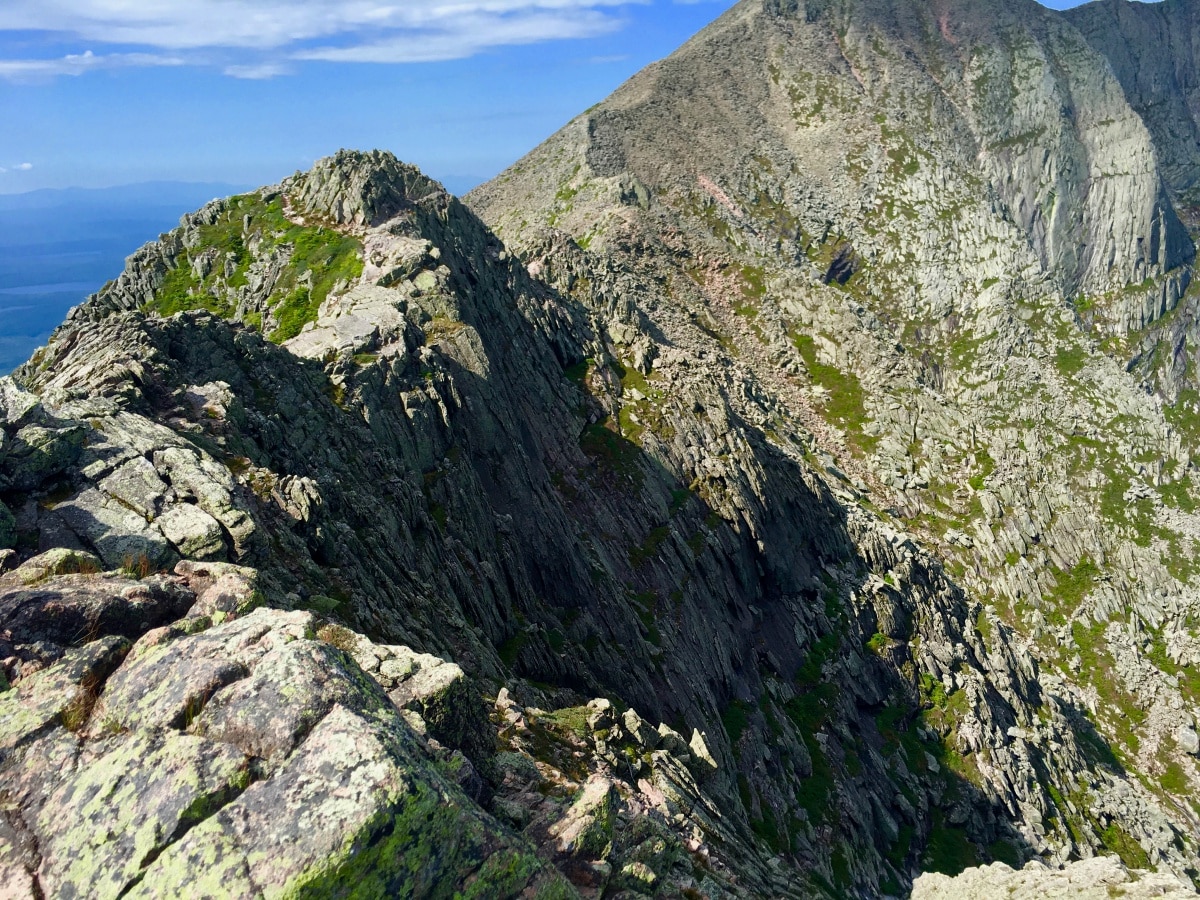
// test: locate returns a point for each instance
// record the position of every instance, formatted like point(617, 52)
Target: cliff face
point(952, 145)
point(1154, 50)
point(768, 412)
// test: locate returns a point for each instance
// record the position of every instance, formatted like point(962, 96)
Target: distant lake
point(57, 247)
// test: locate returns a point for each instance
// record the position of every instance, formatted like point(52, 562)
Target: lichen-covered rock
point(38, 454)
point(384, 826)
point(1099, 878)
point(60, 696)
point(119, 535)
point(222, 590)
point(57, 561)
point(227, 761)
point(193, 532)
point(129, 796)
point(587, 828)
point(170, 676)
point(291, 688)
point(439, 691)
point(43, 613)
point(360, 188)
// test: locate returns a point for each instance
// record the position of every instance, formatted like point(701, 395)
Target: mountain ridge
point(706, 429)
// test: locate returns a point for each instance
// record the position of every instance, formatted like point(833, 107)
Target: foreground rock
point(198, 744)
point(202, 760)
point(1099, 878)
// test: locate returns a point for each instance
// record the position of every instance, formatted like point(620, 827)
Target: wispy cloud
point(257, 71)
point(467, 37)
point(276, 31)
point(78, 64)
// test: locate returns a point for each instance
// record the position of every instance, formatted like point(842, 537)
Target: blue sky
point(104, 92)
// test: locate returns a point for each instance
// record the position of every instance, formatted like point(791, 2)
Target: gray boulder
point(1098, 878)
point(213, 762)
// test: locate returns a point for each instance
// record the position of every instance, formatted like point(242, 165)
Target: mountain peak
point(359, 188)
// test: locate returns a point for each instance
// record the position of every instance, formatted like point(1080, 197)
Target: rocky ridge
point(697, 449)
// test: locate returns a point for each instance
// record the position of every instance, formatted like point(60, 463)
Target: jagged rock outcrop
point(222, 760)
point(775, 420)
point(1094, 879)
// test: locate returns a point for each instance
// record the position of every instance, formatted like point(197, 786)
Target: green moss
point(1070, 360)
point(511, 649)
point(438, 512)
point(983, 625)
point(949, 851)
point(987, 466)
point(754, 283)
point(649, 547)
point(821, 652)
point(320, 259)
point(1073, 586)
point(1175, 780)
point(178, 292)
point(1183, 415)
point(736, 719)
point(813, 793)
point(425, 848)
point(1006, 852)
point(1122, 712)
point(841, 867)
point(572, 720)
point(898, 852)
point(845, 404)
point(1188, 676)
point(578, 372)
point(321, 604)
point(933, 692)
point(767, 829)
point(1178, 495)
point(612, 452)
point(878, 643)
point(1122, 843)
point(646, 606)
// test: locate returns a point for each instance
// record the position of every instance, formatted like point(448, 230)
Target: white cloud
point(257, 71)
point(24, 167)
point(77, 64)
point(467, 37)
point(378, 31)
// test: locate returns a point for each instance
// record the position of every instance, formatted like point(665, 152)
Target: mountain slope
point(784, 428)
point(936, 237)
point(514, 529)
